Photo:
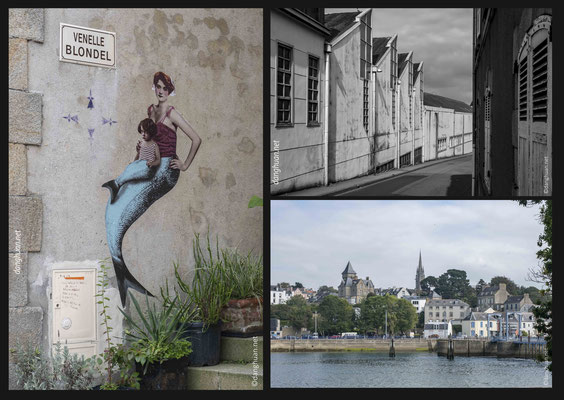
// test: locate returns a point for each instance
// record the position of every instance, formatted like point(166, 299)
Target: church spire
point(419, 275)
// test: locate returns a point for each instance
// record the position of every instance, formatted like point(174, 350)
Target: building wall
point(499, 51)
point(478, 331)
point(446, 124)
point(300, 152)
point(350, 145)
point(384, 131)
point(213, 57)
point(406, 131)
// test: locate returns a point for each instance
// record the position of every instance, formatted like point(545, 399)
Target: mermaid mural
point(146, 180)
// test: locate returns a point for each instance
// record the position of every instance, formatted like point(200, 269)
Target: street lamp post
point(315, 320)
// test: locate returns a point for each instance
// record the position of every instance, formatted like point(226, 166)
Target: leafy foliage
point(336, 315)
point(210, 289)
point(158, 336)
point(64, 371)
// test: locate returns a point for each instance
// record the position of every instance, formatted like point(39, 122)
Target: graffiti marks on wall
point(74, 118)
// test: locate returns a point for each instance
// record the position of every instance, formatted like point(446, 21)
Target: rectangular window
point(313, 91)
point(365, 46)
point(284, 85)
point(472, 324)
point(386, 167)
point(441, 144)
point(405, 159)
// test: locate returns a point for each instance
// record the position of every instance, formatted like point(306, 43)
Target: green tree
point(406, 316)
point(543, 274)
point(299, 285)
point(454, 284)
point(480, 286)
point(428, 285)
point(421, 320)
point(336, 315)
point(299, 313)
point(373, 314)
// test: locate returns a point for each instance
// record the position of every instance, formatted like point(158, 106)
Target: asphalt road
point(448, 178)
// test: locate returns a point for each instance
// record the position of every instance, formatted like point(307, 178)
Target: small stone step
point(246, 350)
point(226, 376)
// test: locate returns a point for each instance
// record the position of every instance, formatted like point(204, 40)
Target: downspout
point(398, 122)
point(326, 117)
point(374, 116)
point(412, 99)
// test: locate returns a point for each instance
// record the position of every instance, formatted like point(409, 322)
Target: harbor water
point(405, 370)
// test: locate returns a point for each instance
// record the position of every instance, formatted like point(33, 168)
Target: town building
point(512, 97)
point(493, 296)
point(398, 292)
point(418, 302)
point(446, 310)
point(448, 127)
point(298, 94)
point(517, 323)
point(518, 303)
point(437, 330)
point(352, 288)
point(278, 295)
point(476, 325)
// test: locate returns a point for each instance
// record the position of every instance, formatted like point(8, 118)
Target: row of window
point(451, 314)
point(284, 87)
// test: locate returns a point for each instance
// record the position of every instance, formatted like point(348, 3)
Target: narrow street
point(448, 178)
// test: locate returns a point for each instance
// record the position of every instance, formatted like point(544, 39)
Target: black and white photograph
point(411, 102)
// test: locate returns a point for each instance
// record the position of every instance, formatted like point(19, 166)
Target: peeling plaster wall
point(214, 57)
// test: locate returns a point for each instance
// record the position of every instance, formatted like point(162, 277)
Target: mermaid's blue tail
point(140, 187)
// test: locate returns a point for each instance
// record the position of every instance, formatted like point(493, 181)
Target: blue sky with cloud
point(312, 240)
point(440, 37)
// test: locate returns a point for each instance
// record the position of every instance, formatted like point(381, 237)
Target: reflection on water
point(405, 370)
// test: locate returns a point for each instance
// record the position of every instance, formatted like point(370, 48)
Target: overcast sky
point(440, 37)
point(312, 240)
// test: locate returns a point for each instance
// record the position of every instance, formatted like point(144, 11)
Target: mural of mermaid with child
point(152, 174)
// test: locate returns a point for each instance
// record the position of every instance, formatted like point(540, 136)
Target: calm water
point(364, 370)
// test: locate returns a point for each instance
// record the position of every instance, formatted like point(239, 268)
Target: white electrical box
point(74, 310)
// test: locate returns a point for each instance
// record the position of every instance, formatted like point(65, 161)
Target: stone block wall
point(25, 209)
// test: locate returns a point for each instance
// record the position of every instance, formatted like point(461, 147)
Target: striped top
point(147, 152)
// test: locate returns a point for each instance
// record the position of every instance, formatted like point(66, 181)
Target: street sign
point(87, 46)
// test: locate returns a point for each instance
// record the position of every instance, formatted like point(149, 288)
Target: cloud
point(312, 241)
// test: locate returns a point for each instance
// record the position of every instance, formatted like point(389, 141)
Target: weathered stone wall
point(56, 167)
point(25, 209)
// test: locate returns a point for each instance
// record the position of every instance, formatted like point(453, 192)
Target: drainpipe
point(398, 123)
point(326, 117)
point(413, 125)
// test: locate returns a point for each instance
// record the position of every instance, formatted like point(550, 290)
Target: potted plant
point(206, 296)
point(242, 315)
point(157, 345)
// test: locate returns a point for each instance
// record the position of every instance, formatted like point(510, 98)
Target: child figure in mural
point(148, 155)
point(140, 185)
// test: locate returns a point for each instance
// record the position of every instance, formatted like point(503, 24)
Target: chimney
point(502, 286)
point(367, 278)
point(526, 296)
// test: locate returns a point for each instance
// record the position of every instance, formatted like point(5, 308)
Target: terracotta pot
point(242, 318)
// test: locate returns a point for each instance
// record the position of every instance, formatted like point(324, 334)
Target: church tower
point(419, 276)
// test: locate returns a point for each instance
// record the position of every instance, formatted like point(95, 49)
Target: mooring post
point(392, 349)
point(450, 348)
